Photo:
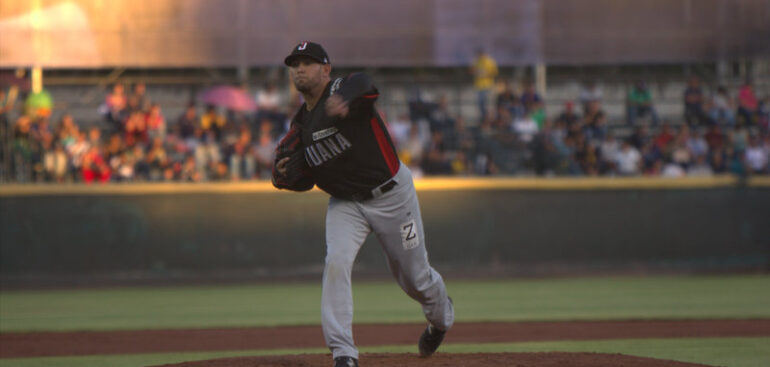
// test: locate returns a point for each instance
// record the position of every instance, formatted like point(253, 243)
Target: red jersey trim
point(387, 150)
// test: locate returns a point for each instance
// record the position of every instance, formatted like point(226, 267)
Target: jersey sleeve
point(357, 87)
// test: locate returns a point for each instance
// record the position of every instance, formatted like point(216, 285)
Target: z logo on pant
point(409, 237)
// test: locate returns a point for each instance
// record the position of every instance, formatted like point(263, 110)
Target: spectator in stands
point(665, 138)
point(188, 122)
point(399, 130)
point(748, 105)
point(93, 166)
point(680, 153)
point(436, 161)
point(440, 118)
point(608, 150)
point(532, 103)
point(140, 98)
point(764, 114)
point(594, 122)
point(135, 130)
point(76, 151)
point(269, 102)
point(155, 122)
point(757, 157)
point(587, 156)
point(568, 117)
point(700, 168)
point(207, 156)
point(525, 128)
point(115, 103)
point(715, 138)
point(55, 162)
point(639, 104)
point(738, 138)
point(211, 121)
point(484, 70)
point(508, 100)
point(590, 93)
point(694, 101)
point(628, 160)
point(718, 160)
point(721, 107)
point(157, 160)
point(243, 164)
point(412, 151)
point(265, 150)
point(640, 136)
point(697, 144)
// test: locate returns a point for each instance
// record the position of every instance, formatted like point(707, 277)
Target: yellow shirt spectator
point(485, 71)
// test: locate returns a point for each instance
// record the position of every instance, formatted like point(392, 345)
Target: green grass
point(727, 352)
point(679, 297)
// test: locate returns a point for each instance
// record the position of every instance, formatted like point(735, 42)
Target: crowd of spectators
point(136, 142)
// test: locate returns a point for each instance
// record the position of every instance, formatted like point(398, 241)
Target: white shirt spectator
point(757, 158)
point(609, 149)
point(399, 131)
point(268, 99)
point(526, 128)
point(672, 170)
point(700, 169)
point(628, 160)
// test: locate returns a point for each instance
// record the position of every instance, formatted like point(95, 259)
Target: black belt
point(377, 191)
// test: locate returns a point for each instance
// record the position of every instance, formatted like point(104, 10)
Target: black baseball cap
point(309, 49)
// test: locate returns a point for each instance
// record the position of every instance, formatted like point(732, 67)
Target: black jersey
point(348, 156)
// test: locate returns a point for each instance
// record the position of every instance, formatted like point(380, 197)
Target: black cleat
point(345, 362)
point(430, 339)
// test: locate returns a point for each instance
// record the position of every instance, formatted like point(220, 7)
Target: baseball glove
point(298, 176)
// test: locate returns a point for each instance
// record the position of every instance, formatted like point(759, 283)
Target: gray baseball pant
point(395, 218)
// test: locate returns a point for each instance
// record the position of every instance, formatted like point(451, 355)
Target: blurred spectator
point(700, 168)
point(264, 152)
point(525, 127)
point(243, 163)
point(594, 122)
point(738, 138)
point(715, 138)
point(484, 70)
point(568, 117)
point(135, 130)
point(155, 122)
point(411, 152)
point(399, 130)
point(532, 103)
point(639, 104)
point(694, 113)
point(697, 144)
point(440, 118)
point(211, 121)
point(115, 103)
point(748, 105)
point(628, 159)
point(665, 138)
point(93, 166)
point(55, 162)
point(757, 157)
point(157, 160)
point(208, 156)
point(139, 96)
point(608, 150)
point(718, 160)
point(590, 93)
point(269, 102)
point(77, 151)
point(721, 109)
point(640, 136)
point(508, 100)
point(188, 122)
point(436, 161)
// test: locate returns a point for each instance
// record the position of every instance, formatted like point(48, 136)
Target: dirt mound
point(448, 360)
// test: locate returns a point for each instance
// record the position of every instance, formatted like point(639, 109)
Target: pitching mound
point(448, 360)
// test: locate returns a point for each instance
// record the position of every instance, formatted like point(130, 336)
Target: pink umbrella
point(231, 97)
